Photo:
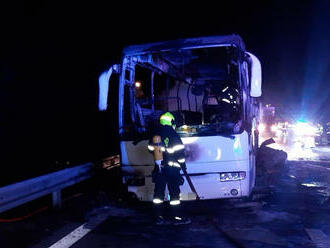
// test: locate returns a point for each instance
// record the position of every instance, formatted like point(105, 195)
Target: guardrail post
point(16, 194)
point(57, 199)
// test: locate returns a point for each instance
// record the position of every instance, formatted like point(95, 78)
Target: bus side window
point(142, 89)
point(127, 104)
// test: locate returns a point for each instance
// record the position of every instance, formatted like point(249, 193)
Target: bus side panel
point(207, 157)
point(137, 162)
point(210, 153)
point(209, 186)
point(136, 154)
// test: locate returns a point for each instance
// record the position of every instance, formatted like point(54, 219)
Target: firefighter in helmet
point(168, 151)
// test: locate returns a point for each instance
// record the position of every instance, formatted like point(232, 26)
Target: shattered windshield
point(220, 110)
point(200, 87)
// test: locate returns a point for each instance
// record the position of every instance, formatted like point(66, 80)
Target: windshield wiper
point(214, 129)
point(222, 135)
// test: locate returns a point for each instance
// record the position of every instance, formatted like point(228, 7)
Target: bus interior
point(201, 87)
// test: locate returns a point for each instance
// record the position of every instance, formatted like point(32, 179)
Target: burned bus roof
point(234, 39)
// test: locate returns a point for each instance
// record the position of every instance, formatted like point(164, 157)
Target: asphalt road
point(292, 213)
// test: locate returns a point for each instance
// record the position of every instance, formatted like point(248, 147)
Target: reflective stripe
point(151, 148)
point(170, 150)
point(157, 201)
point(175, 148)
point(182, 160)
point(165, 117)
point(175, 202)
point(174, 164)
point(225, 100)
point(178, 147)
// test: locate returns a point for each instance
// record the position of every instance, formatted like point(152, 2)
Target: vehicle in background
point(211, 85)
point(326, 132)
point(267, 127)
point(305, 133)
point(323, 134)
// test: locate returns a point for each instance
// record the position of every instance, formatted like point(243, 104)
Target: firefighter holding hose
point(168, 151)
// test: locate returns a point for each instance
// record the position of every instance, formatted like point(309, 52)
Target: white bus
point(211, 85)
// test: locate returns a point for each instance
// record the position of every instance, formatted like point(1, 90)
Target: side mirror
point(255, 75)
point(104, 81)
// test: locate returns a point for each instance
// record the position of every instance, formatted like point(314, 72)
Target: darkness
point(52, 54)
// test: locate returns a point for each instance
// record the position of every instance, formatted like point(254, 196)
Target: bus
point(212, 86)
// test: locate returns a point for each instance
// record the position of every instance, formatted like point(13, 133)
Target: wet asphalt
point(278, 215)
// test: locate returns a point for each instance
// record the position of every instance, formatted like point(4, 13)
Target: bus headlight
point(232, 176)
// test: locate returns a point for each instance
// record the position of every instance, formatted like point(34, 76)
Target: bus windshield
point(199, 86)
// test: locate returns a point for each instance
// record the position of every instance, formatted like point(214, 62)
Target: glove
point(159, 163)
point(183, 166)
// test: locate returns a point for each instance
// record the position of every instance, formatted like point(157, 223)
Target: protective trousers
point(171, 177)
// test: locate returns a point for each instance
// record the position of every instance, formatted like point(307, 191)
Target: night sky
point(53, 53)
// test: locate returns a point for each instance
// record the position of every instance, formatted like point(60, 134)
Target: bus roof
point(208, 41)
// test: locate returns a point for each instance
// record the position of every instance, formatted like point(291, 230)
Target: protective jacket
point(172, 146)
point(168, 173)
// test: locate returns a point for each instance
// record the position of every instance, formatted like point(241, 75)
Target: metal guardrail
point(19, 193)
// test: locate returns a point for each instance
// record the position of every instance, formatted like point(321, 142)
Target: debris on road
point(254, 205)
point(270, 216)
point(256, 234)
point(270, 164)
point(319, 238)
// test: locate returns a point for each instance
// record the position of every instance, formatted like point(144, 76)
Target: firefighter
point(168, 151)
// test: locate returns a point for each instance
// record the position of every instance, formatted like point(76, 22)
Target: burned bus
point(211, 85)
